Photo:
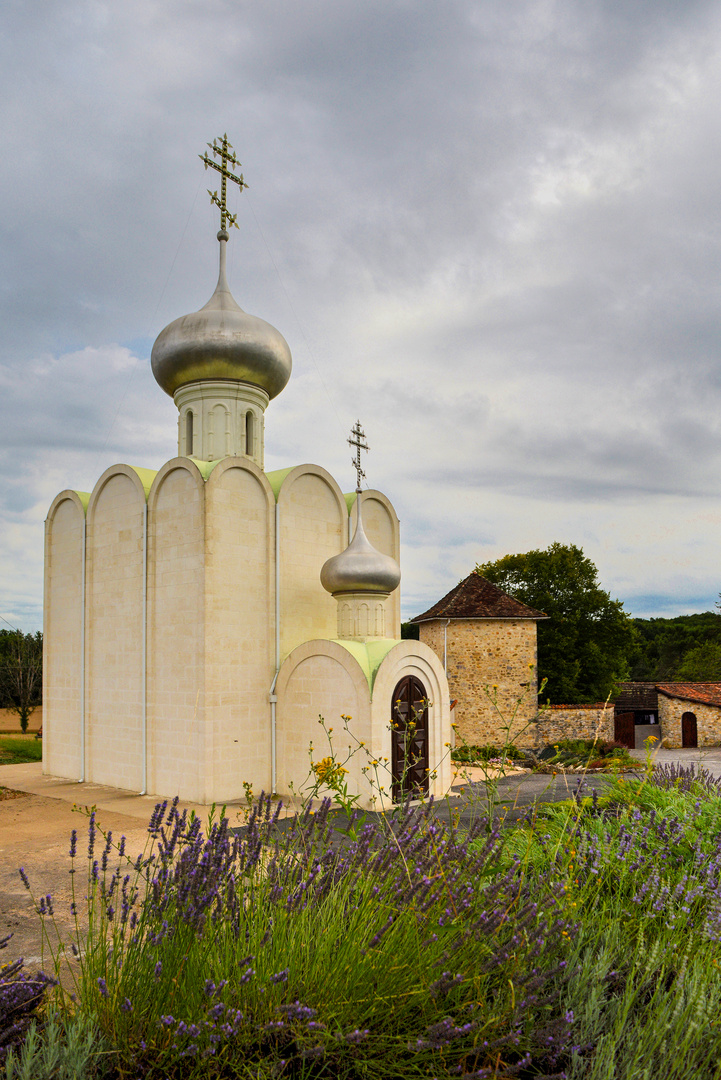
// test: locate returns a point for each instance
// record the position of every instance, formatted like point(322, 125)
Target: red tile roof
point(705, 693)
point(476, 598)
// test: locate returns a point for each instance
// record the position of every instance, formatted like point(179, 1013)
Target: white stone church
point(199, 619)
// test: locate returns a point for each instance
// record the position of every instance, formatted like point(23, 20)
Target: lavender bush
point(21, 995)
point(278, 953)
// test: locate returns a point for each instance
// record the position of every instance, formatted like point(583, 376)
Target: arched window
point(249, 434)
point(189, 433)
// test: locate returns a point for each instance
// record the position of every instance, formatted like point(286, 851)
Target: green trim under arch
point(146, 477)
point(205, 468)
point(276, 478)
point(369, 655)
point(84, 497)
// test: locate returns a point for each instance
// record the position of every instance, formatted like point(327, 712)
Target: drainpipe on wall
point(271, 694)
point(82, 651)
point(445, 646)
point(144, 721)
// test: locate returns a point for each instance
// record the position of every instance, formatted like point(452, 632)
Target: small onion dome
point(221, 341)
point(361, 567)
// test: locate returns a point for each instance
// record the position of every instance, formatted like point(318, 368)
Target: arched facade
point(333, 679)
point(63, 665)
point(189, 586)
point(313, 526)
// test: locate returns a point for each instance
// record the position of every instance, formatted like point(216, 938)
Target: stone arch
point(177, 736)
point(383, 530)
point(240, 610)
point(114, 626)
point(414, 658)
point(63, 617)
point(321, 678)
point(313, 527)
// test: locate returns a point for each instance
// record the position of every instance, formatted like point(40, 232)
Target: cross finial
point(223, 149)
point(358, 440)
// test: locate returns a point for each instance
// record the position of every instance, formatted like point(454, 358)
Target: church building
point(200, 618)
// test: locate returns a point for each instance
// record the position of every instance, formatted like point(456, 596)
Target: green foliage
point(468, 753)
point(410, 631)
point(663, 646)
point(701, 664)
point(584, 644)
point(584, 752)
point(19, 751)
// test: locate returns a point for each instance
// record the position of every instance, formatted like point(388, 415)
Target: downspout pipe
point(82, 650)
point(144, 659)
point(445, 646)
point(271, 694)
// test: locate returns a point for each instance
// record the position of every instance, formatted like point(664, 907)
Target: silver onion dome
point(361, 567)
point(221, 341)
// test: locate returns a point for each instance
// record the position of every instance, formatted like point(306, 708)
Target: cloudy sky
point(487, 228)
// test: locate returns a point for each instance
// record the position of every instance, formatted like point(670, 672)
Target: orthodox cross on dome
point(223, 149)
point(358, 440)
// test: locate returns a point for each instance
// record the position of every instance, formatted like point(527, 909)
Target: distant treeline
point(686, 648)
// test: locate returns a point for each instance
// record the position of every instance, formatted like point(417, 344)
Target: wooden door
point(625, 729)
point(409, 738)
point(689, 733)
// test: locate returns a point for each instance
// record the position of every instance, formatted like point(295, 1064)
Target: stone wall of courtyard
point(491, 667)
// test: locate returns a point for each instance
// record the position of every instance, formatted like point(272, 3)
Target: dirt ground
point(35, 834)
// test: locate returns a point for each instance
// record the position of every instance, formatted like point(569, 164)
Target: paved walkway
point(30, 778)
point(514, 793)
point(709, 757)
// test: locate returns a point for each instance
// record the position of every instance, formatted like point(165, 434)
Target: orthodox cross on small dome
point(223, 149)
point(358, 440)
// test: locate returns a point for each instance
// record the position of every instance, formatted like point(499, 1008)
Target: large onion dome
point(361, 568)
point(221, 341)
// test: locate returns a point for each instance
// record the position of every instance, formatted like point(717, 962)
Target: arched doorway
point(409, 738)
point(689, 733)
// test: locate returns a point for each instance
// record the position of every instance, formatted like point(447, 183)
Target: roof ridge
point(475, 597)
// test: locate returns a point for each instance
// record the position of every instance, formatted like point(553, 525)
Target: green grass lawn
point(17, 749)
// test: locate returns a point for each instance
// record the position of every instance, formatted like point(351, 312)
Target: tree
point(21, 673)
point(701, 664)
point(584, 644)
point(663, 646)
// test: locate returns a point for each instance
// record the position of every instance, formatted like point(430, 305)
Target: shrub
point(468, 754)
point(65, 1048)
point(21, 995)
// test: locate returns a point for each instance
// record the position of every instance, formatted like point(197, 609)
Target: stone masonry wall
point(491, 667)
point(708, 721)
point(557, 722)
